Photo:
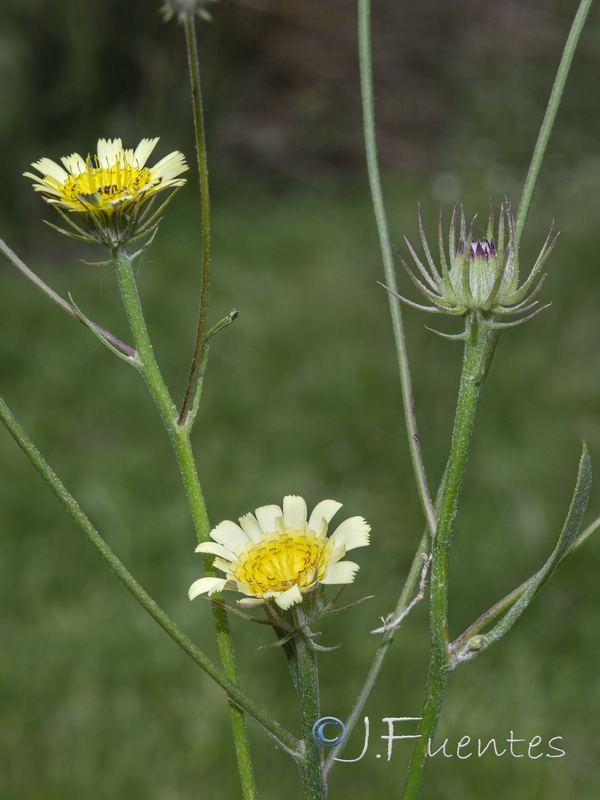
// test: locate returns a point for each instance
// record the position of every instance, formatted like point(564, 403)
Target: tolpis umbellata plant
point(285, 564)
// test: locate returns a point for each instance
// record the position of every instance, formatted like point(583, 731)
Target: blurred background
point(302, 394)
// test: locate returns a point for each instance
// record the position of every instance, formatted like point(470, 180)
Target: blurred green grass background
point(302, 396)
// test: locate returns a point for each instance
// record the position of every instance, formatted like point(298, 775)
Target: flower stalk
point(305, 667)
point(180, 440)
point(201, 155)
point(550, 115)
point(479, 344)
point(368, 107)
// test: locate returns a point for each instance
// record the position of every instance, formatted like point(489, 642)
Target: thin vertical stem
point(366, 82)
point(475, 364)
point(550, 115)
point(194, 67)
point(386, 640)
point(183, 450)
point(366, 85)
point(305, 668)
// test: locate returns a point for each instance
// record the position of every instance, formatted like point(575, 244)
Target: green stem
point(306, 670)
point(408, 592)
point(194, 67)
point(366, 85)
point(550, 115)
point(366, 80)
point(183, 450)
point(279, 734)
point(475, 365)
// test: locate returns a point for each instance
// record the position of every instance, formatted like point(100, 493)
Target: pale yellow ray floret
point(112, 179)
point(281, 553)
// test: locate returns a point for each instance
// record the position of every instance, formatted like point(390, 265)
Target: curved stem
point(279, 734)
point(550, 115)
point(475, 365)
point(366, 85)
point(194, 67)
point(183, 450)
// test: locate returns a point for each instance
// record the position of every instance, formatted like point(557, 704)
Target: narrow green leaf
point(567, 537)
point(130, 359)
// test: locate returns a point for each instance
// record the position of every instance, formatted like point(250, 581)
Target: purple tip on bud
point(483, 249)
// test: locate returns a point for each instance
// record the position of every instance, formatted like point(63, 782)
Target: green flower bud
point(480, 274)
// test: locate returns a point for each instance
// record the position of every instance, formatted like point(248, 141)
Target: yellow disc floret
point(282, 560)
point(112, 179)
point(108, 186)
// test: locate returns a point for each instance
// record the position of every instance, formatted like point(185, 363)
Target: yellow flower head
point(112, 179)
point(279, 554)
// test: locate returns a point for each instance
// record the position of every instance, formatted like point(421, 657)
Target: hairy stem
point(194, 67)
point(183, 450)
point(307, 673)
point(236, 695)
point(475, 364)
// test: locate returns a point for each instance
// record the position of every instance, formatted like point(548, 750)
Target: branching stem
point(180, 439)
point(236, 695)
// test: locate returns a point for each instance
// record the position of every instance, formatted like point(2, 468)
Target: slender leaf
point(571, 528)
